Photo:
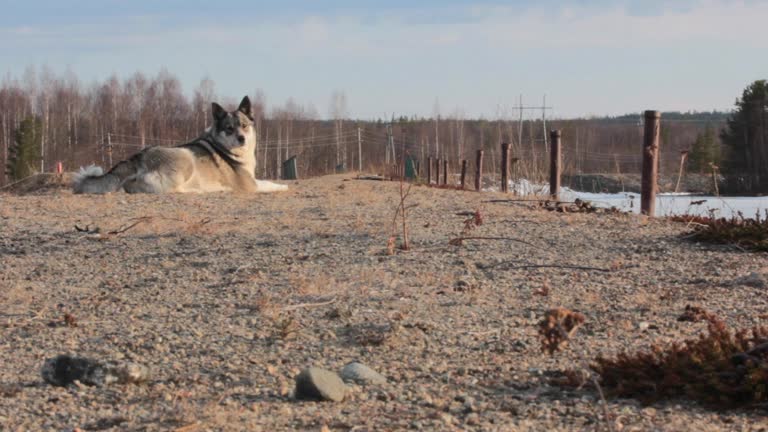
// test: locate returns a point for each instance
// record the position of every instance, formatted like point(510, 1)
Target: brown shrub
point(722, 369)
point(557, 328)
point(750, 234)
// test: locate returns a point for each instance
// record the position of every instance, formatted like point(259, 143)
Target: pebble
point(319, 384)
point(64, 370)
point(361, 374)
point(754, 280)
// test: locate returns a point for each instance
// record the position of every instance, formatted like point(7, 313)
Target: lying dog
point(221, 159)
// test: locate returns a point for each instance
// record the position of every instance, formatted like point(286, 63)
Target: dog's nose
point(241, 139)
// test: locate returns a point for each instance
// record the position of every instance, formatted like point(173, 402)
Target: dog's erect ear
point(218, 111)
point(245, 107)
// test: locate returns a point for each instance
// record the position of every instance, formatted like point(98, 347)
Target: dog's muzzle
point(241, 139)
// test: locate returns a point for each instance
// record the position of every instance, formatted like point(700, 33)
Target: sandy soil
point(226, 298)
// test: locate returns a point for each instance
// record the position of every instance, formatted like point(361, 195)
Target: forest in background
point(46, 118)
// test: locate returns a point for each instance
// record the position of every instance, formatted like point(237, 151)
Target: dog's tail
point(267, 186)
point(92, 180)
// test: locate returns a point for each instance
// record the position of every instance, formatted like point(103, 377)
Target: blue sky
point(406, 57)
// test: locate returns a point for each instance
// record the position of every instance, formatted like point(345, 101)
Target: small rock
point(446, 418)
point(472, 419)
point(64, 370)
point(127, 373)
point(643, 326)
point(361, 374)
point(754, 280)
point(319, 384)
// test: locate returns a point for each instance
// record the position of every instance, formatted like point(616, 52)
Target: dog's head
point(233, 129)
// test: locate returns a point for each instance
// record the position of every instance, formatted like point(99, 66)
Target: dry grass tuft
point(374, 334)
point(721, 369)
point(696, 314)
point(749, 234)
point(557, 328)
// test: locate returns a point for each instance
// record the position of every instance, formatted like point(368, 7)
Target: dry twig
point(307, 305)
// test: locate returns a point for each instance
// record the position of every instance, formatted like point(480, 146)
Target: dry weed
point(748, 234)
point(721, 369)
point(374, 334)
point(696, 314)
point(558, 327)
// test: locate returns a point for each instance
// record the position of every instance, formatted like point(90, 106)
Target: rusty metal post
point(554, 164)
point(649, 184)
point(463, 172)
point(437, 171)
point(479, 170)
point(504, 167)
point(445, 171)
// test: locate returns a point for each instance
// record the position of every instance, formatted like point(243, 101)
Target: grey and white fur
point(221, 159)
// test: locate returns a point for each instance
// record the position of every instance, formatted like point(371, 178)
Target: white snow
point(667, 204)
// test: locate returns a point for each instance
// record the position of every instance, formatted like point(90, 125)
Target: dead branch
point(307, 305)
point(401, 209)
point(527, 200)
point(96, 231)
point(459, 240)
point(567, 267)
point(125, 228)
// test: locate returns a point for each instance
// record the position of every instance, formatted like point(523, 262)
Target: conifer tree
point(25, 152)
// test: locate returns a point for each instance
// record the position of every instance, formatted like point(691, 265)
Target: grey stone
point(361, 374)
point(64, 370)
point(754, 280)
point(319, 384)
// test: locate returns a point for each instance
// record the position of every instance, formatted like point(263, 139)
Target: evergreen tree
point(746, 142)
point(25, 151)
point(705, 151)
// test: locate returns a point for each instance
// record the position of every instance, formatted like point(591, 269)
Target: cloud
point(543, 26)
point(621, 25)
point(472, 53)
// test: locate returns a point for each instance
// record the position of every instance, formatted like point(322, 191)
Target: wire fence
point(375, 149)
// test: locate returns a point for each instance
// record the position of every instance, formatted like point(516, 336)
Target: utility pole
point(520, 124)
point(544, 119)
point(437, 137)
point(388, 145)
point(109, 148)
point(359, 149)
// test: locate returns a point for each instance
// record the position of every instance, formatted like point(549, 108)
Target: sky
point(452, 57)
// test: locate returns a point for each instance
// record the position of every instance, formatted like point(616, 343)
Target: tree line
point(47, 118)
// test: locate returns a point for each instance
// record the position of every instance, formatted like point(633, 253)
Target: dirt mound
point(226, 298)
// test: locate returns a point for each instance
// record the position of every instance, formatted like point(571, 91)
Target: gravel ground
point(227, 298)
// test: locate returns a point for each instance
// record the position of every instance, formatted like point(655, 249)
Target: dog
point(221, 159)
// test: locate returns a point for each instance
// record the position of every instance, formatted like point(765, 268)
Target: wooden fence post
point(437, 171)
point(109, 148)
point(554, 164)
point(463, 172)
point(649, 184)
point(479, 170)
point(445, 171)
point(504, 167)
point(429, 170)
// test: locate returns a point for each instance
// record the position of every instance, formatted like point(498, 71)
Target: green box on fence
point(411, 171)
point(289, 169)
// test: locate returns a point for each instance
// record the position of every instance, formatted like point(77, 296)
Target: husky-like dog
point(221, 159)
